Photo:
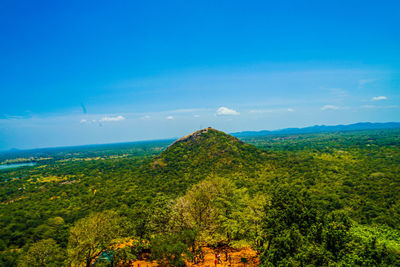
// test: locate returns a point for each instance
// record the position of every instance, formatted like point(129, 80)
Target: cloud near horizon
point(145, 117)
point(116, 118)
point(261, 111)
point(377, 98)
point(227, 111)
point(330, 107)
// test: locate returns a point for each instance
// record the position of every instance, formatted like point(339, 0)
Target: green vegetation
point(91, 236)
point(297, 233)
point(45, 252)
point(309, 199)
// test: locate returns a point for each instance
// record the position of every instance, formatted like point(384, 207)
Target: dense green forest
point(298, 199)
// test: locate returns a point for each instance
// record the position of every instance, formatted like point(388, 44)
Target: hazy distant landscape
point(199, 133)
point(267, 199)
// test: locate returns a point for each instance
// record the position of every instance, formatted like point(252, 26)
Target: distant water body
point(16, 165)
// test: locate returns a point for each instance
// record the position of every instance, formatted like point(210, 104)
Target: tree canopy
point(316, 199)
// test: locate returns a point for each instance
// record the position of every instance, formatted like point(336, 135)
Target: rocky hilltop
point(202, 153)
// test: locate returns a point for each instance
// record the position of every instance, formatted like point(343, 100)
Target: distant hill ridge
point(311, 129)
point(322, 128)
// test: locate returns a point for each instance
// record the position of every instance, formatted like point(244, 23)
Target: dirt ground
point(236, 256)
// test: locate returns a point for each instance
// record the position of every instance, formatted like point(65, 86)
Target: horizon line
point(174, 138)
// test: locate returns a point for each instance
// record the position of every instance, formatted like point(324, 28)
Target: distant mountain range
point(311, 129)
point(322, 128)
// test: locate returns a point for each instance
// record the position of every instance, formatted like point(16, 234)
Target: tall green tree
point(91, 236)
point(218, 212)
point(45, 252)
point(168, 249)
point(298, 233)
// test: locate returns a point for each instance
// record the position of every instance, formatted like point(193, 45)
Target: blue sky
point(84, 72)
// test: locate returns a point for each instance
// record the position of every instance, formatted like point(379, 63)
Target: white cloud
point(170, 118)
point(377, 98)
point(116, 118)
point(146, 117)
point(83, 121)
point(185, 110)
point(260, 111)
point(226, 111)
point(196, 116)
point(332, 107)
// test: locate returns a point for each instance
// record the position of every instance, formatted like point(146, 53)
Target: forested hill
point(299, 200)
point(323, 129)
point(208, 149)
point(201, 154)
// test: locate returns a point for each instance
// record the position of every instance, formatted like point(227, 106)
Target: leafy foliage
point(168, 250)
point(298, 234)
point(91, 236)
point(45, 252)
point(317, 199)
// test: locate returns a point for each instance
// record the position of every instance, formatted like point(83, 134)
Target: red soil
point(209, 258)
